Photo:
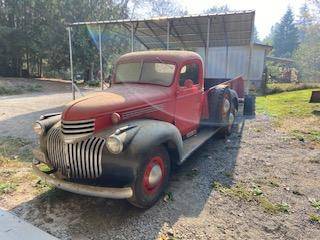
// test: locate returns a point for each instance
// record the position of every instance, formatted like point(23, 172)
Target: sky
point(268, 12)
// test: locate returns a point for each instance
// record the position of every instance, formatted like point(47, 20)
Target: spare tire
point(219, 101)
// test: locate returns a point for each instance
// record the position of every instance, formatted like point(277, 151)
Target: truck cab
point(124, 141)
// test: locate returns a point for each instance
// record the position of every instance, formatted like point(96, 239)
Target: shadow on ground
point(70, 216)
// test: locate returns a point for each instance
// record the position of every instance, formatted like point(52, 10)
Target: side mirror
point(188, 83)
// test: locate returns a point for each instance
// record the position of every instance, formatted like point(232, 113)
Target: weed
point(239, 191)
point(314, 218)
point(168, 197)
point(6, 188)
point(315, 204)
point(257, 191)
point(283, 207)
point(19, 89)
point(42, 185)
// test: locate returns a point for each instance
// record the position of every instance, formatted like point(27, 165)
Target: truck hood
point(119, 97)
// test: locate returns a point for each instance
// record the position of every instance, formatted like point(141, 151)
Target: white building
point(237, 63)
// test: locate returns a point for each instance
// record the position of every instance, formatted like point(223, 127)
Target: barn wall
point(238, 60)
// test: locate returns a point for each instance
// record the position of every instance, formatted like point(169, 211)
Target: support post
point(100, 55)
point(71, 64)
point(250, 56)
point(207, 47)
point(168, 34)
point(132, 37)
point(226, 43)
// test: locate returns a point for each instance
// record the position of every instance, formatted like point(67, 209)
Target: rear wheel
point(152, 178)
point(227, 130)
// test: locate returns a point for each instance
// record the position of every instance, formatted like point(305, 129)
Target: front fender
point(139, 139)
point(153, 133)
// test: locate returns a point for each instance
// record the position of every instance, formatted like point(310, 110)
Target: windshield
point(145, 72)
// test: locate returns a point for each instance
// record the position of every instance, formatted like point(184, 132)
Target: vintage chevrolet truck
point(123, 142)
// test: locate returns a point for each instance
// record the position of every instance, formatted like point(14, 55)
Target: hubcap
point(231, 120)
point(153, 175)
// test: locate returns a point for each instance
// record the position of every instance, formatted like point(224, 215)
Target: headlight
point(114, 144)
point(226, 105)
point(38, 128)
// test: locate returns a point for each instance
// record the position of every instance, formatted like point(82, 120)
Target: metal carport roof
point(184, 32)
point(222, 29)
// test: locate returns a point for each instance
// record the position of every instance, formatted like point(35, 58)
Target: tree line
point(34, 41)
point(298, 38)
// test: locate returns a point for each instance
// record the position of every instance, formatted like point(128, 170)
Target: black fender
point(234, 99)
point(139, 137)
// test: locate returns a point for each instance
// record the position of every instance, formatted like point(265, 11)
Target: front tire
point(152, 178)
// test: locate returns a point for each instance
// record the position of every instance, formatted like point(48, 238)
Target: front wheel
point(152, 178)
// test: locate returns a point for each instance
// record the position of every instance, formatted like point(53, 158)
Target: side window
point(189, 71)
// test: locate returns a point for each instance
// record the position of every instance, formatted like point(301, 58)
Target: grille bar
point(76, 160)
point(77, 127)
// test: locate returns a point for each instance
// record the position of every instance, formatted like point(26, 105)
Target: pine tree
point(286, 36)
point(304, 21)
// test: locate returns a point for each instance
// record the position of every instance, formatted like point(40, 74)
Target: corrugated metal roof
point(230, 28)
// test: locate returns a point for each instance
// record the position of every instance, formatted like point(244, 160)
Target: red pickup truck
point(123, 142)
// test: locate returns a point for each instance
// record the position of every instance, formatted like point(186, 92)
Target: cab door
point(188, 98)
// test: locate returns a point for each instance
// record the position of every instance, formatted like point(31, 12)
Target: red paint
point(146, 185)
point(183, 106)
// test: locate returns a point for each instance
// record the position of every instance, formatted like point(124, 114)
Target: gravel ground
point(285, 170)
point(198, 211)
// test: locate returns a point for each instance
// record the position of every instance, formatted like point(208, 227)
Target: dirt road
point(258, 184)
point(18, 112)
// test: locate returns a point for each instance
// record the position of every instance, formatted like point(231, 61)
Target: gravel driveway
point(285, 170)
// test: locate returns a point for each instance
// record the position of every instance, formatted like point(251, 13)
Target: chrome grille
point(76, 160)
point(77, 127)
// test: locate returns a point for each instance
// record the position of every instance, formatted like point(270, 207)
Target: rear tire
point(152, 178)
point(227, 130)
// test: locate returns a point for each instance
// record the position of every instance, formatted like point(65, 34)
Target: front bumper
point(104, 192)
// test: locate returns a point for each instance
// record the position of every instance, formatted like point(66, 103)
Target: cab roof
point(164, 55)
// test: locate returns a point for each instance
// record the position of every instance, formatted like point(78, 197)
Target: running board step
point(193, 143)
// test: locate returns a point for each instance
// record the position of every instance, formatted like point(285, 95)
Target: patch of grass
point(93, 83)
point(15, 149)
point(255, 194)
point(287, 104)
point(315, 204)
point(273, 88)
point(19, 89)
point(42, 185)
point(314, 218)
point(292, 112)
point(7, 187)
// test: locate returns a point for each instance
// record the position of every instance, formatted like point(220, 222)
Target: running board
point(193, 143)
